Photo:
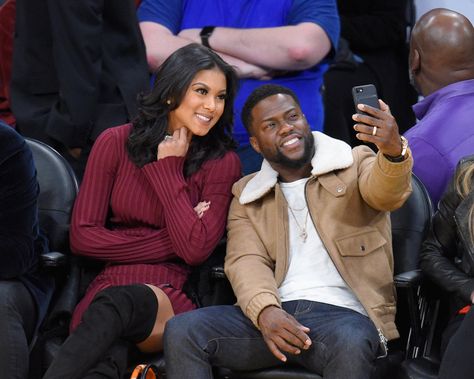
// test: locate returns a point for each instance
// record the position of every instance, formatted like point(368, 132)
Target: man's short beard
point(308, 153)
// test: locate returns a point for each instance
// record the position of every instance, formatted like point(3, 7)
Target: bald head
point(441, 50)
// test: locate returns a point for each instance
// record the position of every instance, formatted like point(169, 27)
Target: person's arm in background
point(18, 205)
point(160, 43)
point(297, 46)
point(161, 38)
point(304, 42)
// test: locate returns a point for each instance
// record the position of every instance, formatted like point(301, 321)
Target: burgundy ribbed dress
point(141, 220)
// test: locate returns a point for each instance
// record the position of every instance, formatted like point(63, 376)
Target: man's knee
point(195, 328)
point(360, 339)
point(180, 328)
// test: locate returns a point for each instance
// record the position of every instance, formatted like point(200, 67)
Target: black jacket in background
point(447, 255)
point(20, 241)
point(78, 66)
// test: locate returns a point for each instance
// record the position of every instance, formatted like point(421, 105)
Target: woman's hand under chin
point(174, 146)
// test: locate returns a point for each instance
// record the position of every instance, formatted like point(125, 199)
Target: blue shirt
point(443, 135)
point(186, 14)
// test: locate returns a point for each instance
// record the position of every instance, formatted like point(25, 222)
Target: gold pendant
point(303, 235)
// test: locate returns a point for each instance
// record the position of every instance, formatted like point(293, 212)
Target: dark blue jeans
point(17, 325)
point(344, 342)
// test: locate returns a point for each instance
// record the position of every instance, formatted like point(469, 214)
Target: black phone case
point(366, 94)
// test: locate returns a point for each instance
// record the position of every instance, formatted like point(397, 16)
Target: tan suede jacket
point(349, 195)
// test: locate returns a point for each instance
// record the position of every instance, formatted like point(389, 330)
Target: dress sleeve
point(89, 233)
point(194, 238)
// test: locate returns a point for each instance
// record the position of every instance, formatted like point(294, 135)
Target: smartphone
point(366, 94)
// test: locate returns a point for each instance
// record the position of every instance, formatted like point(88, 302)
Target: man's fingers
point(275, 350)
point(299, 333)
point(371, 111)
point(384, 107)
point(290, 342)
point(303, 337)
point(284, 345)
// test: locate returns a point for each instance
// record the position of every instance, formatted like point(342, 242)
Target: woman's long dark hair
point(172, 81)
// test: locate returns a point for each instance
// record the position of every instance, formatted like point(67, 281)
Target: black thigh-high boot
point(126, 312)
point(113, 364)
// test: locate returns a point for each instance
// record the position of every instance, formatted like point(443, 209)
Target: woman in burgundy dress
point(153, 203)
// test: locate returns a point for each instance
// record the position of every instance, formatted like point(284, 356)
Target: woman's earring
point(168, 102)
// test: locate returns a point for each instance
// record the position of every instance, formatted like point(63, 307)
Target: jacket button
point(362, 248)
point(339, 189)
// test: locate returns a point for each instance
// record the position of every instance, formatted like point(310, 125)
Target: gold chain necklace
point(303, 233)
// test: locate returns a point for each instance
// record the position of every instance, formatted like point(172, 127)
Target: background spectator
point(77, 69)
point(465, 7)
point(7, 29)
point(278, 41)
point(446, 258)
point(24, 291)
point(442, 69)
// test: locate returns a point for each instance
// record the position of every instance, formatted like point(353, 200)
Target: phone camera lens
point(359, 90)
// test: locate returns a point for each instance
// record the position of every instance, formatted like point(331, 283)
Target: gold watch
point(403, 154)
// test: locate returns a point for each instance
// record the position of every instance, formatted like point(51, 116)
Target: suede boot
point(122, 312)
point(114, 363)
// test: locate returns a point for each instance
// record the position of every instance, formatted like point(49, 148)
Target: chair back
point(58, 190)
point(410, 224)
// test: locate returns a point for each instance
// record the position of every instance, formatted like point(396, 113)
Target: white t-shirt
point(311, 274)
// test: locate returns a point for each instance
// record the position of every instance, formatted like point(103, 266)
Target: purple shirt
point(443, 135)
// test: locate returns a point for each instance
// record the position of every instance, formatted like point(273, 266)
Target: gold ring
point(374, 131)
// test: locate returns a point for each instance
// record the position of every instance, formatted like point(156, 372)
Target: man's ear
point(415, 61)
point(254, 144)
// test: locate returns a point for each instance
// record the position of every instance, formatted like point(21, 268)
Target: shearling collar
point(330, 154)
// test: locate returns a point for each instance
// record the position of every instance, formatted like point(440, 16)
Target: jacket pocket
point(361, 243)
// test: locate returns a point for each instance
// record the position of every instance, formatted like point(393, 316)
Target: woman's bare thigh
point(154, 342)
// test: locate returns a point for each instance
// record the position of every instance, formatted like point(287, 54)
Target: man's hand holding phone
point(377, 126)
